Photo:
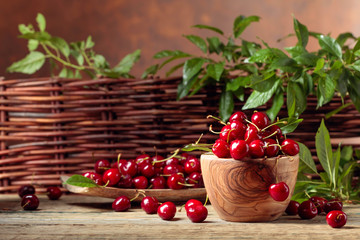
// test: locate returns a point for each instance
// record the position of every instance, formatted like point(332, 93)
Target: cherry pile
point(29, 200)
point(254, 138)
point(314, 206)
point(146, 172)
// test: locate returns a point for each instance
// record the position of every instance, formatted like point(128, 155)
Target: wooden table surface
point(83, 217)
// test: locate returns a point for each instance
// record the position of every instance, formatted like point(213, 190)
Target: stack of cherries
point(145, 172)
point(316, 205)
point(255, 138)
point(29, 200)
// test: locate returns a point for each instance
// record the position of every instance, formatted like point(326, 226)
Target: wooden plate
point(161, 194)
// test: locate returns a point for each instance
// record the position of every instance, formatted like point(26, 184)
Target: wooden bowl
point(238, 190)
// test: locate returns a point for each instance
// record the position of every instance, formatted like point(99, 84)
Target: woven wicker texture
point(52, 126)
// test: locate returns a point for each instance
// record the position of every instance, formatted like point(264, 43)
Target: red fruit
point(30, 202)
point(170, 169)
point(102, 165)
point(192, 202)
point(292, 208)
point(53, 193)
point(96, 177)
point(256, 149)
point(143, 158)
point(173, 160)
point(271, 147)
point(147, 170)
point(26, 190)
point(251, 134)
point(140, 182)
point(149, 205)
point(121, 204)
point(196, 179)
point(176, 181)
point(111, 177)
point(239, 149)
point(319, 203)
point(307, 210)
point(275, 131)
point(224, 133)
point(279, 191)
point(155, 160)
point(239, 116)
point(192, 165)
point(290, 147)
point(336, 218)
point(158, 182)
point(221, 149)
point(128, 168)
point(167, 210)
point(125, 181)
point(333, 204)
point(260, 119)
point(197, 213)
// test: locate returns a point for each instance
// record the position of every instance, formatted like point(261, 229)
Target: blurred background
point(119, 27)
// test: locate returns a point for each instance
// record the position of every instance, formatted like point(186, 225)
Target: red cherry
point(196, 179)
point(150, 205)
point(53, 192)
point(279, 191)
point(158, 182)
point(239, 149)
point(224, 133)
point(319, 203)
point(102, 165)
point(140, 182)
point(292, 208)
point(111, 177)
point(276, 131)
point(260, 119)
point(121, 204)
point(256, 148)
point(290, 147)
point(128, 168)
point(336, 218)
point(192, 202)
point(167, 210)
point(271, 147)
point(235, 130)
point(221, 149)
point(173, 160)
point(176, 181)
point(30, 202)
point(170, 169)
point(26, 190)
point(143, 158)
point(197, 213)
point(125, 181)
point(96, 177)
point(156, 160)
point(307, 210)
point(333, 204)
point(192, 165)
point(251, 134)
point(147, 170)
point(239, 116)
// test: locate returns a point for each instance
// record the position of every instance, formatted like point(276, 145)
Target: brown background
point(119, 27)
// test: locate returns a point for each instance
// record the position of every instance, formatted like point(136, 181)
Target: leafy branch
point(73, 58)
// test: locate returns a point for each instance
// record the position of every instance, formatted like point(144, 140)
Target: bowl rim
point(246, 159)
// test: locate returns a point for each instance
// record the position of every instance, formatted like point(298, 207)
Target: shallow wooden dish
point(161, 194)
point(238, 190)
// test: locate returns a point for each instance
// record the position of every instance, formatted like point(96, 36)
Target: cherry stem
point(307, 195)
point(165, 159)
point(186, 184)
point(275, 123)
point(138, 193)
point(206, 200)
point(197, 142)
point(257, 128)
point(228, 136)
point(218, 119)
point(27, 203)
point(274, 133)
point(107, 183)
point(211, 130)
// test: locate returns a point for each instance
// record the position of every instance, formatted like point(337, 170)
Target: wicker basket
point(53, 126)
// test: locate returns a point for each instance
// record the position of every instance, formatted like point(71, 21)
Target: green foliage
point(337, 179)
point(234, 64)
point(81, 181)
point(71, 58)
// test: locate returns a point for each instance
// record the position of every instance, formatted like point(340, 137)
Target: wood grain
point(238, 190)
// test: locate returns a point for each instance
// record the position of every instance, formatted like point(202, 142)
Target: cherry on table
point(197, 213)
point(167, 210)
point(319, 203)
point(292, 208)
point(150, 205)
point(279, 191)
point(101, 166)
point(30, 202)
point(192, 202)
point(239, 149)
point(53, 192)
point(307, 210)
point(221, 148)
point(336, 218)
point(26, 190)
point(121, 204)
point(333, 204)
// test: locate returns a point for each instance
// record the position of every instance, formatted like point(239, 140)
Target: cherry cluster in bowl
point(195, 210)
point(146, 172)
point(255, 138)
point(316, 205)
point(29, 200)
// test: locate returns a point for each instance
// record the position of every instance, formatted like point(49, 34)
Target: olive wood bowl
point(238, 189)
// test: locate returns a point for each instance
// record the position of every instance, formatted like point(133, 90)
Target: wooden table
point(80, 217)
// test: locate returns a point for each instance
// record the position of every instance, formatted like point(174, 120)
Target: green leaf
point(239, 93)
point(324, 150)
point(330, 45)
point(198, 41)
point(296, 99)
point(257, 98)
point(306, 157)
point(290, 126)
point(307, 59)
point(61, 45)
point(347, 153)
point(215, 70)
point(301, 32)
point(327, 88)
point(343, 37)
point(285, 64)
point(263, 83)
point(80, 58)
point(261, 56)
point(209, 28)
point(81, 181)
point(30, 64)
point(99, 60)
point(196, 147)
point(278, 102)
point(150, 71)
point(25, 29)
point(296, 51)
point(33, 44)
point(185, 86)
point(319, 66)
point(173, 69)
point(191, 68)
point(241, 23)
point(342, 82)
point(333, 112)
point(235, 84)
point(336, 163)
point(126, 64)
point(40, 19)
point(226, 106)
point(89, 43)
point(170, 53)
point(215, 45)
